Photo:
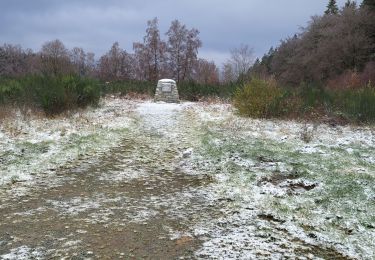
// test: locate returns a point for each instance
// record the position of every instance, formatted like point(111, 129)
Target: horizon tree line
point(335, 49)
point(333, 46)
point(153, 58)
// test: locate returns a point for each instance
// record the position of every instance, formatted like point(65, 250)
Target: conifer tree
point(332, 7)
point(350, 3)
point(368, 3)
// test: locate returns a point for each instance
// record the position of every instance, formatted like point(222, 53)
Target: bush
point(260, 99)
point(10, 91)
point(129, 87)
point(52, 94)
point(189, 90)
point(193, 91)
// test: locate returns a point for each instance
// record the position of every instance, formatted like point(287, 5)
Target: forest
point(326, 70)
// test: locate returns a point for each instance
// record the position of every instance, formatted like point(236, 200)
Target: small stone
point(186, 153)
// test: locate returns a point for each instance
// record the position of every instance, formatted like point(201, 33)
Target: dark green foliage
point(10, 90)
point(351, 4)
point(52, 94)
point(332, 7)
point(314, 96)
point(193, 91)
point(129, 87)
point(358, 105)
point(369, 4)
point(188, 90)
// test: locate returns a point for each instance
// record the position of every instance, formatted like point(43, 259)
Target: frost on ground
point(35, 145)
point(22, 253)
point(283, 192)
point(194, 180)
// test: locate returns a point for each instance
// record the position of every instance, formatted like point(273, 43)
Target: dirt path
point(187, 181)
point(133, 202)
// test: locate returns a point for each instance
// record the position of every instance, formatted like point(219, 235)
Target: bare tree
point(55, 58)
point(116, 64)
point(151, 53)
point(228, 73)
point(78, 58)
point(205, 72)
point(176, 48)
point(193, 43)
point(14, 61)
point(327, 47)
point(183, 45)
point(90, 64)
point(241, 60)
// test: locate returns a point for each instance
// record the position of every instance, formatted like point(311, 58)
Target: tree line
point(326, 72)
point(336, 49)
point(153, 58)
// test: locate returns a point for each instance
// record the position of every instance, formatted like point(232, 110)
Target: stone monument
point(166, 91)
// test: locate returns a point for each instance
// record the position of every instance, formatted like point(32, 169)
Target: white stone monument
point(166, 91)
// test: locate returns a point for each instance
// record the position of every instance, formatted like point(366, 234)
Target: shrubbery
point(52, 94)
point(129, 87)
point(259, 98)
point(264, 99)
point(189, 90)
point(194, 91)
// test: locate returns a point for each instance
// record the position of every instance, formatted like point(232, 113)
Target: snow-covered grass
point(38, 145)
point(23, 253)
point(279, 193)
point(323, 189)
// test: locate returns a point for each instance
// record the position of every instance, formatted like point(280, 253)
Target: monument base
point(166, 91)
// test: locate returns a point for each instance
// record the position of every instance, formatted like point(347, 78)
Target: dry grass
point(137, 96)
point(6, 112)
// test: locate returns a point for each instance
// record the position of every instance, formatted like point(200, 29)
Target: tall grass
point(263, 99)
point(357, 104)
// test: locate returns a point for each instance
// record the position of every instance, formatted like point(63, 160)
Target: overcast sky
point(95, 24)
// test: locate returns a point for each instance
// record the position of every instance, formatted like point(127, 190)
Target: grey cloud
point(95, 25)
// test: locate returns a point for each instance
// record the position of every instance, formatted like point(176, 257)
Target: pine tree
point(332, 7)
point(368, 3)
point(350, 3)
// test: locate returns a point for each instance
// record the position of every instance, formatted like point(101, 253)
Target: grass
point(339, 208)
point(264, 99)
